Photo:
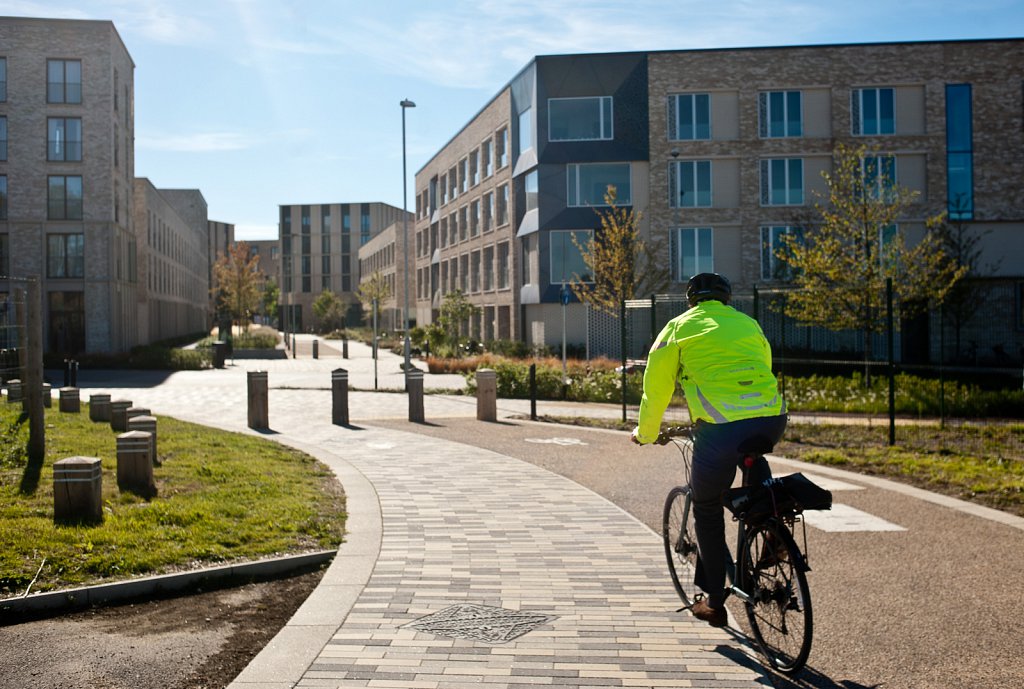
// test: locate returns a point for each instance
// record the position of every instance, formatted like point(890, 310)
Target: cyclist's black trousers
point(716, 456)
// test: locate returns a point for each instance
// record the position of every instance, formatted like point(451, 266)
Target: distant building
point(320, 251)
point(722, 152)
point(269, 251)
point(385, 255)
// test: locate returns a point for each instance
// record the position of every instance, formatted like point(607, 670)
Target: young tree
point(842, 263)
point(329, 309)
point(375, 287)
point(621, 264)
point(237, 281)
point(456, 309)
point(271, 296)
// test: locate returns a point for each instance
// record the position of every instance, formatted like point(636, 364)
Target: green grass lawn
point(982, 463)
point(221, 497)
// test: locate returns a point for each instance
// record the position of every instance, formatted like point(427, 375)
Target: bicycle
point(771, 579)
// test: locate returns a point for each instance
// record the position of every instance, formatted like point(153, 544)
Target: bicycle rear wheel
point(780, 613)
point(680, 539)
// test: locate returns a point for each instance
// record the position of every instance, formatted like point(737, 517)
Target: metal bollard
point(47, 395)
point(344, 348)
point(486, 395)
point(339, 397)
point(316, 349)
point(258, 400)
point(414, 385)
point(13, 391)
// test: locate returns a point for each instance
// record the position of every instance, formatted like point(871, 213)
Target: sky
point(262, 103)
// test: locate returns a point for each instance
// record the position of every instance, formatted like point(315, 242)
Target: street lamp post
point(405, 233)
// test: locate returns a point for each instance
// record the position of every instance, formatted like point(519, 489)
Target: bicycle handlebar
point(666, 436)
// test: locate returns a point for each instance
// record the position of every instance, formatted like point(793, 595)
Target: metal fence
point(976, 341)
point(12, 334)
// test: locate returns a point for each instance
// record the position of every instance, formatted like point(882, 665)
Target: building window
point(5, 255)
point(873, 111)
point(3, 138)
point(65, 255)
point(3, 198)
point(879, 175)
point(463, 223)
point(488, 269)
point(488, 212)
point(690, 184)
point(364, 223)
point(501, 147)
point(474, 167)
point(63, 81)
point(775, 241)
point(64, 139)
point(689, 117)
point(959, 152)
point(486, 161)
point(502, 206)
point(3, 79)
point(567, 264)
point(589, 183)
point(525, 130)
point(779, 114)
point(503, 266)
point(474, 218)
point(782, 182)
point(474, 272)
point(64, 197)
point(67, 322)
point(691, 251)
point(530, 186)
point(464, 175)
point(580, 119)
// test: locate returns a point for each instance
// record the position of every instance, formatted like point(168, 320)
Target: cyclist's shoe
point(716, 617)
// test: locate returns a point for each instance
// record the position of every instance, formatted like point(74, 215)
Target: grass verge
point(221, 497)
point(979, 463)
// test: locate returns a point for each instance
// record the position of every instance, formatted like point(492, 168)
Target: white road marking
point(846, 518)
point(556, 441)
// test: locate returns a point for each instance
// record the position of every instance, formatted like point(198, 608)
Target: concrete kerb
point(57, 602)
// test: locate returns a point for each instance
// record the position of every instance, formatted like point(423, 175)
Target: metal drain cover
point(480, 623)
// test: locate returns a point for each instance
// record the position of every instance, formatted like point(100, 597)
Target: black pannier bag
point(786, 495)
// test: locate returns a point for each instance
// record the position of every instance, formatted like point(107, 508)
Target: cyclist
point(723, 363)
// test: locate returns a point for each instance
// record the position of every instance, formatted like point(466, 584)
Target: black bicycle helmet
point(705, 286)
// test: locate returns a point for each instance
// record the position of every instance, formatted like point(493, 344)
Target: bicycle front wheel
point(779, 612)
point(680, 539)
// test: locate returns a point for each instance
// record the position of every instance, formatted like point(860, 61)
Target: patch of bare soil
point(197, 641)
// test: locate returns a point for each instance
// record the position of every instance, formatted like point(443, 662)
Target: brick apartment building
point(722, 151)
point(120, 262)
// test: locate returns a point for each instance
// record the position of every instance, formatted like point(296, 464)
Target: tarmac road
point(923, 595)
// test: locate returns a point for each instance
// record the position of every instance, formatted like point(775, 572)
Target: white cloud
point(203, 142)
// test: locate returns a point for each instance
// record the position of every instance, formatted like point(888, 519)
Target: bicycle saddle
point(756, 446)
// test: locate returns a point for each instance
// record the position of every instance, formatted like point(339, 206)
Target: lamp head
point(407, 103)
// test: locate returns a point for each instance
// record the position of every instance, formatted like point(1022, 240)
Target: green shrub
point(165, 358)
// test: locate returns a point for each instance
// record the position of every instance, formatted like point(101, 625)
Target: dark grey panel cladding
point(622, 76)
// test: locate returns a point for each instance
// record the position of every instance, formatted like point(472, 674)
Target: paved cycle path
point(516, 576)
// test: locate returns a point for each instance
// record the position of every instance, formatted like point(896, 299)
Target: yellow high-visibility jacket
point(722, 361)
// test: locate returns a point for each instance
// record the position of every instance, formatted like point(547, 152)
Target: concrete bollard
point(78, 490)
point(486, 395)
point(70, 400)
point(99, 407)
point(414, 385)
point(135, 463)
point(258, 400)
point(339, 397)
point(13, 391)
point(47, 395)
point(146, 424)
point(119, 415)
point(316, 349)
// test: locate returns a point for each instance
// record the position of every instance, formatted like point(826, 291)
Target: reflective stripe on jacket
point(723, 363)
